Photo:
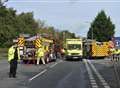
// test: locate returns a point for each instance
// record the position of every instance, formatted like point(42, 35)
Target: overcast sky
point(72, 15)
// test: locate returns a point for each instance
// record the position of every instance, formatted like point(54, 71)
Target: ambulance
point(73, 49)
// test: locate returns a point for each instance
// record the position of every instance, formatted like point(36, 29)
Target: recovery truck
point(73, 49)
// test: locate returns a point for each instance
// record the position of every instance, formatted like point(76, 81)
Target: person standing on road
point(40, 55)
point(13, 58)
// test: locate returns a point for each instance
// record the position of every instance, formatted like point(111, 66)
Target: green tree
point(7, 18)
point(67, 34)
point(25, 23)
point(11, 25)
point(102, 28)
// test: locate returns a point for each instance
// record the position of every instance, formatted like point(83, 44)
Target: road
point(62, 74)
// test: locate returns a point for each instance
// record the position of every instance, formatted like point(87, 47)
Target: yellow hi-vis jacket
point(11, 53)
point(112, 51)
point(40, 52)
point(117, 51)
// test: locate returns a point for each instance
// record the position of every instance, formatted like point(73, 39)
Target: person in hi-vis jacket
point(40, 55)
point(13, 59)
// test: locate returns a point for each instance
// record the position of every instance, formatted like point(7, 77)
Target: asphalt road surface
point(62, 74)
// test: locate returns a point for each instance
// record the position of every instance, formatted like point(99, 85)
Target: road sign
point(21, 41)
point(117, 42)
point(38, 43)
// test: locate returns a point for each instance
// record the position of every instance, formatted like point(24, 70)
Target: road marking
point(53, 65)
point(92, 79)
point(44, 71)
point(102, 80)
point(37, 75)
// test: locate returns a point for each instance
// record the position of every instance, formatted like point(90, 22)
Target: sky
point(72, 15)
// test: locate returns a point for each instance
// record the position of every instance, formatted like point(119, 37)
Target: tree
point(25, 23)
point(67, 34)
point(102, 28)
point(12, 24)
point(7, 18)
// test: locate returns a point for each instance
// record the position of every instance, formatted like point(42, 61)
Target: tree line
point(12, 24)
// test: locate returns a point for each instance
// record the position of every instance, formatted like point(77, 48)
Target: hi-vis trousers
point(40, 58)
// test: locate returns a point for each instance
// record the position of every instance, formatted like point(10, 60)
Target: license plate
point(75, 57)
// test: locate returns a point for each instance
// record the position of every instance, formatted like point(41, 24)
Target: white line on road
point(104, 83)
point(43, 71)
point(91, 77)
point(53, 65)
point(37, 75)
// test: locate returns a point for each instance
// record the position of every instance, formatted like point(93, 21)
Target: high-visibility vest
point(11, 53)
point(117, 51)
point(40, 52)
point(112, 51)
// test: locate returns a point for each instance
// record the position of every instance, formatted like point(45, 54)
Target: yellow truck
point(100, 49)
point(31, 45)
point(73, 49)
point(96, 49)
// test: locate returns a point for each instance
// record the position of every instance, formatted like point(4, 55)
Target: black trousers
point(13, 68)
